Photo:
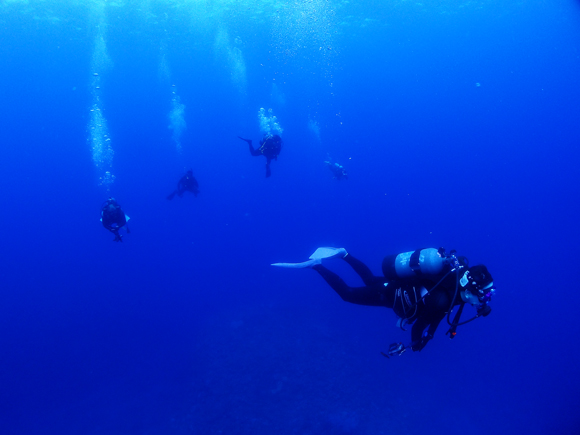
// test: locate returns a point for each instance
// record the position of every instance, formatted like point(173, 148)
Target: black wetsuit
point(403, 296)
point(270, 148)
point(187, 183)
point(113, 218)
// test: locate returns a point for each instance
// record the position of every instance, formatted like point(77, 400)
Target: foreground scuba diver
point(187, 183)
point(270, 147)
point(113, 218)
point(421, 287)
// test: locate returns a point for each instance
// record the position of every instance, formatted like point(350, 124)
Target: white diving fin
point(316, 258)
point(308, 263)
point(322, 253)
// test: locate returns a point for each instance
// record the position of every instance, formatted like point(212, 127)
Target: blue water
point(458, 123)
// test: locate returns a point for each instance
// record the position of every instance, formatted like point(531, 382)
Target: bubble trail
point(314, 128)
point(177, 119)
point(101, 146)
point(232, 54)
point(269, 124)
point(99, 139)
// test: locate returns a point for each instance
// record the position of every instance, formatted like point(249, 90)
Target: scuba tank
point(428, 261)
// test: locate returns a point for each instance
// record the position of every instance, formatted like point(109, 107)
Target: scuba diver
point(187, 183)
point(337, 170)
point(113, 218)
point(421, 287)
point(270, 147)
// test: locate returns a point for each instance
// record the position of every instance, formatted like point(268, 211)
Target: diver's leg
point(368, 295)
point(268, 172)
point(252, 150)
point(362, 270)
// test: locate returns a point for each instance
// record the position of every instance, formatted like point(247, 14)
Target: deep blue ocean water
point(458, 123)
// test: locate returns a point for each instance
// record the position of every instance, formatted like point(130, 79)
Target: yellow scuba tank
point(417, 263)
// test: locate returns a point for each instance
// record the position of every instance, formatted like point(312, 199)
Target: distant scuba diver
point(337, 170)
point(420, 286)
point(270, 147)
point(113, 218)
point(187, 183)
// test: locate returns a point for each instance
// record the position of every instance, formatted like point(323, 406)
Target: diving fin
point(322, 253)
point(303, 265)
point(316, 258)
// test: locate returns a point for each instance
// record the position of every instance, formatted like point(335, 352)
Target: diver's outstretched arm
point(424, 328)
point(171, 195)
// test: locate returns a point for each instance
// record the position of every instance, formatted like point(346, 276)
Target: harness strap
point(414, 262)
